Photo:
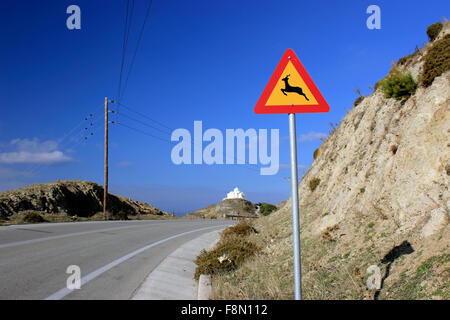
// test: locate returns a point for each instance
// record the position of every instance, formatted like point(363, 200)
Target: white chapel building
point(235, 194)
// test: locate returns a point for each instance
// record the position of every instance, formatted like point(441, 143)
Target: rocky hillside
point(74, 198)
point(376, 195)
point(382, 179)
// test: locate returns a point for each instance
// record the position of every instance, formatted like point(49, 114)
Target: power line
point(71, 131)
point(145, 116)
point(144, 123)
point(75, 134)
point(126, 34)
point(245, 165)
point(75, 137)
point(123, 48)
point(136, 49)
point(74, 144)
point(140, 131)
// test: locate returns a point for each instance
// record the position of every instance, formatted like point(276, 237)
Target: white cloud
point(34, 145)
point(53, 157)
point(312, 136)
point(31, 151)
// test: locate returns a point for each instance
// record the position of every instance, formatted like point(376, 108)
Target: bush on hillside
point(358, 101)
point(437, 60)
point(433, 30)
point(229, 254)
point(316, 153)
point(241, 229)
point(406, 60)
point(266, 208)
point(398, 85)
point(313, 183)
point(33, 217)
point(121, 215)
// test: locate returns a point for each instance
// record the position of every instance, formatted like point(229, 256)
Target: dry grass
point(335, 270)
point(268, 274)
point(232, 249)
point(437, 60)
point(242, 229)
point(228, 255)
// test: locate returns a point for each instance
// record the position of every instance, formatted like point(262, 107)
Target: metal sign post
point(295, 215)
point(291, 90)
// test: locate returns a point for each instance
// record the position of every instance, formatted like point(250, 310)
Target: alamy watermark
point(74, 280)
point(374, 20)
point(256, 142)
point(374, 280)
point(74, 20)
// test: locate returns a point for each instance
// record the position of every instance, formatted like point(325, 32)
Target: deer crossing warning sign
point(291, 90)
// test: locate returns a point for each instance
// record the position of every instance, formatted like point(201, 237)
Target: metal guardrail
point(237, 216)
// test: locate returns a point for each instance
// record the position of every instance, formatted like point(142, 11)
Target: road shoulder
point(173, 278)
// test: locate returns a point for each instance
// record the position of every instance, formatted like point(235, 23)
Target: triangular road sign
point(291, 90)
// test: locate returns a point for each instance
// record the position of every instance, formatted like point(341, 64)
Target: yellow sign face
point(291, 90)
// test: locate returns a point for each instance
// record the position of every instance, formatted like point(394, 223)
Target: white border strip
point(65, 291)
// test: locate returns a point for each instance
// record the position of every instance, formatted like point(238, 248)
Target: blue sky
point(198, 60)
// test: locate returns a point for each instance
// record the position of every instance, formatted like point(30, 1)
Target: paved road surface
point(114, 256)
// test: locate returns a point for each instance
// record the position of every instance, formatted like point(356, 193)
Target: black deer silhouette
point(289, 88)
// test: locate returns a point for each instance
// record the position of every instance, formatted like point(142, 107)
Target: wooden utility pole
point(105, 189)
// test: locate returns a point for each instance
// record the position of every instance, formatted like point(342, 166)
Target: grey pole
point(295, 216)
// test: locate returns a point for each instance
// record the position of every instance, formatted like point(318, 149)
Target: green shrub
point(433, 30)
point(437, 60)
point(398, 85)
point(233, 251)
point(316, 153)
point(266, 208)
point(313, 183)
point(358, 101)
point(33, 217)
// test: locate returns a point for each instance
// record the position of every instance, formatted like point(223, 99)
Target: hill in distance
point(71, 199)
point(232, 208)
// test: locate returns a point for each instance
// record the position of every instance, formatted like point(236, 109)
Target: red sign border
point(262, 108)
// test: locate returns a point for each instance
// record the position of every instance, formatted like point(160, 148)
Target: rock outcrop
point(74, 198)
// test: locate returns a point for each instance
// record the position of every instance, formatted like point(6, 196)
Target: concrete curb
point(204, 281)
point(204, 287)
point(173, 278)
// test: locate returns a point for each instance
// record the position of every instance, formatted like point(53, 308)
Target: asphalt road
point(114, 257)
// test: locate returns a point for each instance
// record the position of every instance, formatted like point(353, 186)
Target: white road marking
point(64, 291)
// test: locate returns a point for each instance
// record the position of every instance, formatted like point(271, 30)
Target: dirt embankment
point(375, 202)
